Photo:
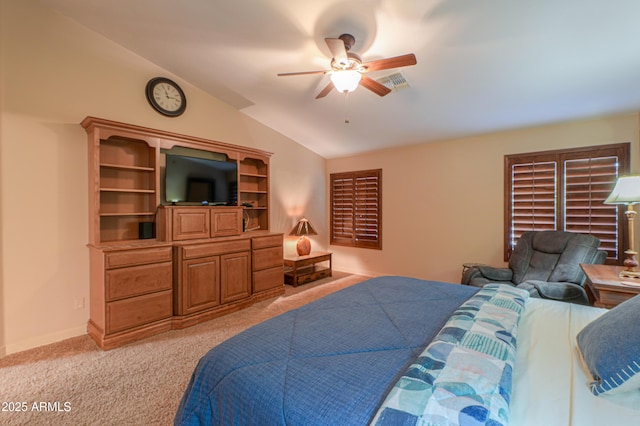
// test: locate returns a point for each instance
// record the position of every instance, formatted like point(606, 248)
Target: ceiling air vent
point(395, 81)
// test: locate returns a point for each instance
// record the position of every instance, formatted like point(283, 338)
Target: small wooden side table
point(607, 287)
point(302, 269)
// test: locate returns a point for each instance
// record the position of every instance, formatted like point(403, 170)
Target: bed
point(398, 350)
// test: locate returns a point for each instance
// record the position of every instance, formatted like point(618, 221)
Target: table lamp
point(627, 192)
point(302, 229)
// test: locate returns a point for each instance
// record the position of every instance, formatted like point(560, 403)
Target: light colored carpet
point(73, 382)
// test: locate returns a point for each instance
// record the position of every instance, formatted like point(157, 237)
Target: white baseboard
point(42, 340)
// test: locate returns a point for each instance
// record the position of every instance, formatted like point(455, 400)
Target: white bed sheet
point(549, 380)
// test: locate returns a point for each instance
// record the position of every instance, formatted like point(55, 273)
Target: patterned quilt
point(463, 377)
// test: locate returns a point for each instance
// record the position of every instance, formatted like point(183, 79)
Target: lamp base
point(304, 246)
point(629, 274)
point(631, 264)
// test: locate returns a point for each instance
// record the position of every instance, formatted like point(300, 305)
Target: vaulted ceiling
point(482, 65)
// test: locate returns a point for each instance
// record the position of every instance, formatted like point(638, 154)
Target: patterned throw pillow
point(610, 348)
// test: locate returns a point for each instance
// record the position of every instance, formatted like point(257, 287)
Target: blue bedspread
point(329, 362)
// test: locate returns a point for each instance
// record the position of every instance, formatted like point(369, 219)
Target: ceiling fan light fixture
point(345, 80)
point(348, 71)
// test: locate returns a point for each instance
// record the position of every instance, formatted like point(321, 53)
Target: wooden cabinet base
point(269, 294)
point(184, 321)
point(180, 322)
point(115, 340)
point(112, 341)
point(141, 290)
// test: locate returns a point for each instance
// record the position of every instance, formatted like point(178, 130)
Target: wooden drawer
point(122, 258)
point(135, 311)
point(137, 280)
point(268, 279)
point(270, 241)
point(212, 249)
point(609, 299)
point(267, 258)
point(306, 275)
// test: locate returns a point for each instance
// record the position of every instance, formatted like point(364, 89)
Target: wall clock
point(166, 97)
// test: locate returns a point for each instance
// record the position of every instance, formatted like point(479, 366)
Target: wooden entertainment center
point(157, 266)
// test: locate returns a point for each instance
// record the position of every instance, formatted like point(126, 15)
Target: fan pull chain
point(346, 107)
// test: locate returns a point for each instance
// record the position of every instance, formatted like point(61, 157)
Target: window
point(565, 190)
point(356, 209)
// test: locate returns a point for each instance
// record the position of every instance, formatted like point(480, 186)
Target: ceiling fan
point(348, 71)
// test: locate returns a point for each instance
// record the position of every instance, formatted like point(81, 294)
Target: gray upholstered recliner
point(545, 263)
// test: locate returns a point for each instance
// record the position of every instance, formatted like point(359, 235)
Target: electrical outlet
point(79, 303)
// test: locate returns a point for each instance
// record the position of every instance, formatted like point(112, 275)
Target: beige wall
point(54, 73)
point(443, 202)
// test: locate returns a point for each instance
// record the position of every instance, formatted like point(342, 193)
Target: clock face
point(166, 96)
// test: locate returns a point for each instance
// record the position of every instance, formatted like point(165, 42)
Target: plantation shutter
point(356, 209)
point(565, 190)
point(342, 208)
point(588, 182)
point(367, 208)
point(533, 200)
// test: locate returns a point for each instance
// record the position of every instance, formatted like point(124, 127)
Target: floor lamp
point(627, 192)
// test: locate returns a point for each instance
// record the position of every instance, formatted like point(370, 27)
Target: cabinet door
point(235, 274)
point(226, 223)
point(200, 284)
point(190, 223)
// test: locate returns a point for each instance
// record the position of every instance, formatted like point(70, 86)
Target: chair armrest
point(488, 272)
point(468, 274)
point(496, 274)
point(563, 291)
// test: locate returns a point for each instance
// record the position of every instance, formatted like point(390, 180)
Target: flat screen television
point(194, 177)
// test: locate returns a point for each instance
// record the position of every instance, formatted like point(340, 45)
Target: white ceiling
point(483, 65)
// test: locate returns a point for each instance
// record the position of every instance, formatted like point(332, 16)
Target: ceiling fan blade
point(395, 62)
point(324, 92)
point(374, 86)
point(284, 74)
point(336, 46)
